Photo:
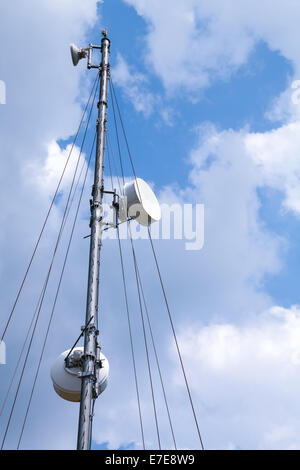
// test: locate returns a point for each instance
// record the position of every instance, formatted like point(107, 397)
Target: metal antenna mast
point(91, 363)
point(137, 202)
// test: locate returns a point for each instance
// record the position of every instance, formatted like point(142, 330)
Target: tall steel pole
point(91, 355)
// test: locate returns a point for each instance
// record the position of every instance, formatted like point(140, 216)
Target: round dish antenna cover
point(76, 54)
point(140, 203)
point(66, 380)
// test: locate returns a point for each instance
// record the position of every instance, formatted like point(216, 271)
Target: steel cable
point(145, 339)
point(116, 128)
point(160, 277)
point(156, 357)
point(131, 338)
point(176, 342)
point(57, 291)
point(50, 268)
point(129, 326)
point(47, 216)
point(140, 289)
point(31, 323)
point(137, 283)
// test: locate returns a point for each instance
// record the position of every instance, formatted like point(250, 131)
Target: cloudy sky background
point(206, 92)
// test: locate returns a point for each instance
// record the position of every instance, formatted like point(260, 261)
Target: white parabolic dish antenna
point(66, 380)
point(139, 202)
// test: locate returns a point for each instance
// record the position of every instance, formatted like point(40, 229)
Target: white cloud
point(276, 154)
point(269, 159)
point(226, 180)
point(136, 89)
point(45, 178)
point(133, 85)
point(190, 44)
point(249, 375)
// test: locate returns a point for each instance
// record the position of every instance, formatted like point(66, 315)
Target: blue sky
point(206, 92)
point(234, 103)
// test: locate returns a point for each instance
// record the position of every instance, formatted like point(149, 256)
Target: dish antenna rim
point(138, 196)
